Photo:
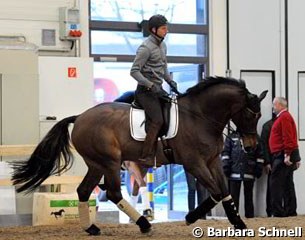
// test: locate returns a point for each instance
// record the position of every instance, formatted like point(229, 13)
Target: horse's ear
point(262, 95)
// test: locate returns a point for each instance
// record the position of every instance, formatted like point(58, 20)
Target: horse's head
point(247, 118)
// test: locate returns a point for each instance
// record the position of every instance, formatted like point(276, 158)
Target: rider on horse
point(149, 69)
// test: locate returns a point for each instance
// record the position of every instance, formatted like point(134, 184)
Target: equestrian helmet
point(157, 21)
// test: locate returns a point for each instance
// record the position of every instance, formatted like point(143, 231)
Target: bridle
point(217, 124)
point(256, 115)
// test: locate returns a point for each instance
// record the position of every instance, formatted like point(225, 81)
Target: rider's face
point(162, 31)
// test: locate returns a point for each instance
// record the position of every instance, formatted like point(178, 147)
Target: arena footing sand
point(160, 231)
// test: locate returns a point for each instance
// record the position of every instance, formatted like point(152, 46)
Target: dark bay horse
point(101, 135)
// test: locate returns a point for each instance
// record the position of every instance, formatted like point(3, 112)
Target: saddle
point(138, 121)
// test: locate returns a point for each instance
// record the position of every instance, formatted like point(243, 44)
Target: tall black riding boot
point(149, 145)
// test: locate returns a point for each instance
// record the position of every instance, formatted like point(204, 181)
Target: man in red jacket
point(285, 159)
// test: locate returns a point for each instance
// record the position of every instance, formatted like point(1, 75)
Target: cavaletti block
point(58, 208)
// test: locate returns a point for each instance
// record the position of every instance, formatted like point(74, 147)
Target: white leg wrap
point(129, 210)
point(213, 199)
point(227, 198)
point(144, 195)
point(84, 216)
point(134, 200)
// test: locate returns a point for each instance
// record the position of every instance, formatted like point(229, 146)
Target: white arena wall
point(28, 18)
point(56, 93)
point(258, 48)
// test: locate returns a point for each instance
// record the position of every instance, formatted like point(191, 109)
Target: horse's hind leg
point(135, 172)
point(140, 186)
point(84, 191)
point(113, 186)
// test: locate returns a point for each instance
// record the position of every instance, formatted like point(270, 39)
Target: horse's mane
point(211, 81)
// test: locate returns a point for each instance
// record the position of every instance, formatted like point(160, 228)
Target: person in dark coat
point(268, 161)
point(241, 167)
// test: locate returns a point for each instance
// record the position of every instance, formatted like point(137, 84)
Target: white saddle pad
point(137, 122)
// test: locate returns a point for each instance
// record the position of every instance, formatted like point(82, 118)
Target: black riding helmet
point(157, 21)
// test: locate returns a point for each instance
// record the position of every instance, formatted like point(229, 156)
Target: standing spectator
point(240, 166)
point(285, 159)
point(268, 160)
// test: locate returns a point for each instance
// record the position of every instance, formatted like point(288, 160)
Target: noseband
point(256, 115)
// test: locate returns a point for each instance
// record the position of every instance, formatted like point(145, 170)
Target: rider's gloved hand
point(173, 84)
point(158, 91)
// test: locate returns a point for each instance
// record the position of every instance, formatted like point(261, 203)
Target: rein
point(201, 116)
point(212, 121)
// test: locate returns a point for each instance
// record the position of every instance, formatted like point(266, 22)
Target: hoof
point(241, 225)
point(191, 218)
point(187, 223)
point(144, 225)
point(145, 230)
point(93, 230)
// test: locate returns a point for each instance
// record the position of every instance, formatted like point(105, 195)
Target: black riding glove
point(174, 87)
point(158, 91)
point(173, 84)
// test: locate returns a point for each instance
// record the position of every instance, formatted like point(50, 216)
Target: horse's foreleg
point(205, 177)
point(227, 201)
point(84, 191)
point(214, 180)
point(113, 186)
point(232, 213)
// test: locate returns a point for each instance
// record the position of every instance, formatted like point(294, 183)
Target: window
point(126, 43)
point(112, 79)
point(137, 10)
point(115, 30)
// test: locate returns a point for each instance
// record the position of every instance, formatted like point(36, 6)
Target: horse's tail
point(45, 160)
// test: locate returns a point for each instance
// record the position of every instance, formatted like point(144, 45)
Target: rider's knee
point(158, 122)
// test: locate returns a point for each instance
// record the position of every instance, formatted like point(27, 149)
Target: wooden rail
point(26, 150)
point(65, 179)
point(16, 150)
